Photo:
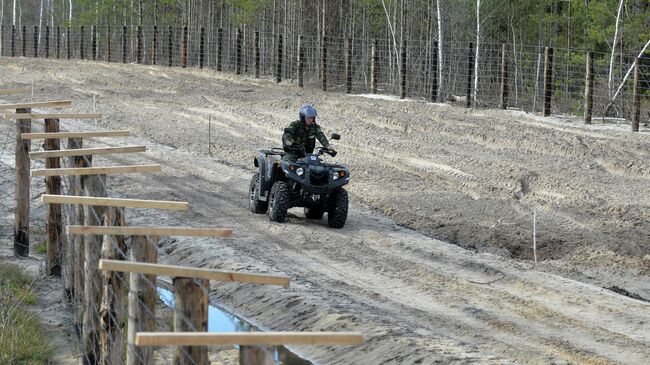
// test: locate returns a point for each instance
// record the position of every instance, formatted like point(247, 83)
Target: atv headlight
point(300, 171)
point(337, 174)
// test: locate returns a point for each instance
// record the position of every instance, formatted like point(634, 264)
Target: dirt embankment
point(471, 177)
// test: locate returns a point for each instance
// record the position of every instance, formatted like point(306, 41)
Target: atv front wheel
point(279, 203)
point(254, 203)
point(338, 209)
point(314, 213)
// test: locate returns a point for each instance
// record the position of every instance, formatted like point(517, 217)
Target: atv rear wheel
point(279, 203)
point(254, 203)
point(314, 213)
point(338, 209)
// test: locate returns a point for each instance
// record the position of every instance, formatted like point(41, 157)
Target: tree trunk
point(611, 60)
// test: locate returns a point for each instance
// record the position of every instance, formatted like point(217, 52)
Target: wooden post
point(13, 41)
point(138, 46)
point(434, 72)
point(93, 185)
point(142, 301)
point(58, 42)
point(184, 50)
point(36, 41)
point(21, 219)
point(402, 71)
point(24, 41)
point(124, 42)
point(589, 87)
point(82, 51)
point(548, 80)
point(238, 52)
point(202, 47)
point(219, 48)
point(47, 41)
point(278, 73)
point(93, 41)
point(374, 68)
point(73, 287)
point(504, 76)
point(170, 45)
point(112, 310)
point(54, 222)
point(301, 60)
point(191, 314)
point(348, 67)
point(470, 71)
point(636, 95)
point(323, 64)
point(154, 46)
point(79, 241)
point(256, 53)
point(109, 43)
point(69, 42)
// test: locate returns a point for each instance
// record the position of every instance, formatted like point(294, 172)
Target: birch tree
point(440, 48)
point(611, 60)
point(476, 55)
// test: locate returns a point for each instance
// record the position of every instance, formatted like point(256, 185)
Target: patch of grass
point(41, 249)
point(22, 339)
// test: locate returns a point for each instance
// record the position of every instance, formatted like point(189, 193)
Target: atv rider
point(303, 133)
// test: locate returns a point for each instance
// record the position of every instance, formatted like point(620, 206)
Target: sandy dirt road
point(420, 172)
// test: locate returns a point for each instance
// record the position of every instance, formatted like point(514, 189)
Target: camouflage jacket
point(300, 134)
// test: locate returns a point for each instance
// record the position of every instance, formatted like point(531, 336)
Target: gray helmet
point(305, 111)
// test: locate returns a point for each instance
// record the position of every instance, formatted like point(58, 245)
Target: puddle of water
point(220, 320)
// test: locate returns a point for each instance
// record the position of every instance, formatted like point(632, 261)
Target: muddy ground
point(422, 174)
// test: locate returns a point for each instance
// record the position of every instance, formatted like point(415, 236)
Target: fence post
point(79, 240)
point(184, 50)
point(13, 41)
point(402, 71)
point(108, 43)
point(636, 95)
point(112, 310)
point(47, 41)
point(301, 60)
point(434, 72)
point(170, 44)
point(589, 87)
point(348, 67)
point(278, 71)
point(191, 314)
point(21, 218)
point(82, 46)
point(35, 41)
point(142, 301)
point(504, 76)
point(124, 42)
point(69, 42)
point(93, 41)
point(256, 53)
point(470, 72)
point(324, 64)
point(154, 47)
point(238, 53)
point(548, 80)
point(58, 42)
point(202, 47)
point(24, 41)
point(73, 242)
point(219, 48)
point(138, 45)
point(94, 186)
point(53, 186)
point(374, 70)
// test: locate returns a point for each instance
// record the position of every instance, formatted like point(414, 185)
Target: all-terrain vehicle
point(308, 182)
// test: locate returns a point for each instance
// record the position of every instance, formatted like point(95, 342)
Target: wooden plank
point(15, 91)
point(75, 134)
point(87, 151)
point(83, 116)
point(114, 202)
point(110, 170)
point(38, 104)
point(151, 231)
point(247, 338)
point(192, 272)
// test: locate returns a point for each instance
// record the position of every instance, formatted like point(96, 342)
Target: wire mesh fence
point(412, 69)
